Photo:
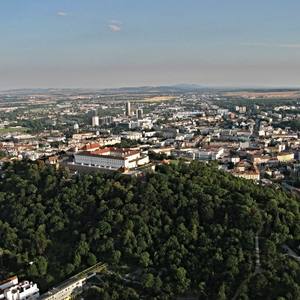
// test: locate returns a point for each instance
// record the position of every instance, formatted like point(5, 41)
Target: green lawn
point(12, 129)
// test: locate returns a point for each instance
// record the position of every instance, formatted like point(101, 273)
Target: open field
point(158, 99)
point(264, 94)
point(5, 130)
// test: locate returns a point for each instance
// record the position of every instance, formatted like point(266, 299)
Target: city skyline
point(103, 44)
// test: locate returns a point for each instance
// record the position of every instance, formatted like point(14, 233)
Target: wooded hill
point(184, 230)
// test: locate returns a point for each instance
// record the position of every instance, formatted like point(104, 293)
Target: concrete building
point(12, 289)
point(9, 282)
point(285, 157)
point(169, 132)
point(66, 290)
point(222, 111)
point(109, 140)
point(132, 135)
point(199, 154)
point(128, 109)
point(111, 158)
point(246, 170)
point(209, 153)
point(107, 120)
point(82, 136)
point(248, 174)
point(95, 121)
point(139, 114)
point(102, 141)
point(242, 109)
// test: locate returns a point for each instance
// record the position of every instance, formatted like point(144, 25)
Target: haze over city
point(113, 43)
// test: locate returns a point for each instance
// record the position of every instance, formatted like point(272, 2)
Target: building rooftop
point(8, 280)
point(111, 152)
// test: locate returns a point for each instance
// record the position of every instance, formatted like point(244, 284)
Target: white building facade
point(12, 289)
point(111, 158)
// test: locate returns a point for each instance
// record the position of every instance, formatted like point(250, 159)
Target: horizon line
point(188, 85)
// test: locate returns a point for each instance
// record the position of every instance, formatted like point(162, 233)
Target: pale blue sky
point(111, 43)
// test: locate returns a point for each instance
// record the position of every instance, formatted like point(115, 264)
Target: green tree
point(91, 259)
point(148, 280)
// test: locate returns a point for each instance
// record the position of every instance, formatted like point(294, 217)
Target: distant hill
point(129, 90)
point(151, 90)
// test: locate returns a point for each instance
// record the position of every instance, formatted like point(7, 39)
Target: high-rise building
point(95, 121)
point(139, 113)
point(128, 109)
point(106, 120)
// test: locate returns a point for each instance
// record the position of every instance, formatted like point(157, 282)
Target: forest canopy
point(184, 230)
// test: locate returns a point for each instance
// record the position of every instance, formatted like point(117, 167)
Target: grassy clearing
point(156, 99)
point(12, 129)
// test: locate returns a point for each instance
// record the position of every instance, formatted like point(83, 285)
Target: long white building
point(111, 158)
point(66, 290)
point(73, 286)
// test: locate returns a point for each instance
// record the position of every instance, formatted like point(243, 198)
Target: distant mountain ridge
point(177, 88)
point(137, 89)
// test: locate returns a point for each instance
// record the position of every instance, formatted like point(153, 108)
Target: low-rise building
point(132, 135)
point(66, 290)
point(109, 140)
point(12, 289)
point(285, 156)
point(209, 153)
point(72, 287)
point(246, 170)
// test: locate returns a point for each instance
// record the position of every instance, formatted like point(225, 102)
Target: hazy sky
point(112, 43)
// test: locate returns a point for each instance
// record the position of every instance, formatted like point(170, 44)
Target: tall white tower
point(128, 109)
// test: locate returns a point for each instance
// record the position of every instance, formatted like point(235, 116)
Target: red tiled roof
point(106, 152)
point(90, 146)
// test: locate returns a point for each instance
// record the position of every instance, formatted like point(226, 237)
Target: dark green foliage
point(187, 229)
point(294, 124)
point(112, 289)
point(157, 156)
point(126, 143)
point(35, 125)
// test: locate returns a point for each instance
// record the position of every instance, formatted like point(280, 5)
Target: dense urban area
point(150, 193)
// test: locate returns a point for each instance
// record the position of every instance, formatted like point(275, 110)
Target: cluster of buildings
point(253, 142)
point(247, 141)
